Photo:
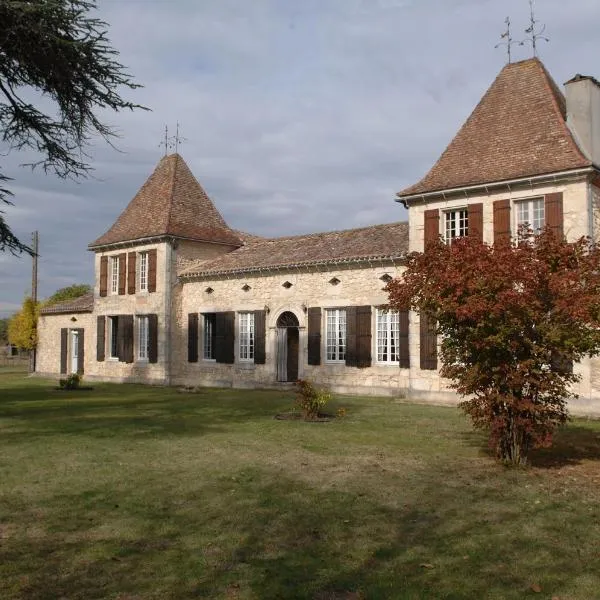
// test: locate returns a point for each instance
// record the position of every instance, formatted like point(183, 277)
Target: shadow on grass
point(571, 445)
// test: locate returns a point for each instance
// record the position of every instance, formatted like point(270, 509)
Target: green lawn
point(131, 492)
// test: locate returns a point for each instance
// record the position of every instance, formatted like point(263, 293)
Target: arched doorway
point(288, 343)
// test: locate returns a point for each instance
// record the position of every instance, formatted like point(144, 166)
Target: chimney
point(583, 114)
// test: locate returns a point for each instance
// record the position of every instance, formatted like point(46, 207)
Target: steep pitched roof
point(518, 129)
point(378, 242)
point(82, 304)
point(171, 202)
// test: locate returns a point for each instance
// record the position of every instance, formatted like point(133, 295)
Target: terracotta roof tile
point(518, 129)
point(84, 303)
point(378, 242)
point(171, 202)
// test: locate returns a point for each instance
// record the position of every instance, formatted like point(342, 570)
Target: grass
point(130, 492)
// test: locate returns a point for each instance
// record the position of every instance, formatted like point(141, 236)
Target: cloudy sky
point(298, 115)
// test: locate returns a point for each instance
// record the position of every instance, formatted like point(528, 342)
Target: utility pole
point(34, 289)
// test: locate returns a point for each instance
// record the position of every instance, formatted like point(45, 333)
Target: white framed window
point(143, 337)
point(143, 272)
point(113, 334)
point(114, 274)
point(246, 322)
point(532, 213)
point(456, 224)
point(209, 321)
point(336, 334)
point(388, 336)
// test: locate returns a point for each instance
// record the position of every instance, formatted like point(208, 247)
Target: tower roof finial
point(534, 35)
point(506, 36)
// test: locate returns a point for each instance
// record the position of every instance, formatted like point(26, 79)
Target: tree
point(3, 332)
point(68, 293)
point(55, 49)
point(512, 320)
point(22, 327)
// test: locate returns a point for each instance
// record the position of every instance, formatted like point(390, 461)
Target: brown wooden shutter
point(64, 340)
point(502, 222)
point(363, 336)
point(131, 257)
point(100, 338)
point(152, 270)
point(403, 348)
point(314, 336)
point(225, 337)
point(103, 275)
point(193, 337)
point(554, 213)
point(475, 213)
point(428, 343)
point(122, 273)
point(432, 226)
point(560, 364)
point(260, 334)
point(152, 338)
point(125, 338)
point(351, 337)
point(81, 351)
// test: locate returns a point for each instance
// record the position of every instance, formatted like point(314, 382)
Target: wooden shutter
point(260, 334)
point(314, 336)
point(64, 340)
point(100, 338)
point(122, 273)
point(428, 343)
point(363, 336)
point(225, 337)
point(193, 337)
point(560, 364)
point(502, 222)
point(152, 338)
point(403, 348)
point(554, 213)
point(125, 338)
point(351, 337)
point(475, 213)
point(81, 350)
point(131, 272)
point(152, 270)
point(432, 226)
point(103, 275)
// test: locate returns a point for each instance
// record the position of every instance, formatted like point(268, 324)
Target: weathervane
point(506, 35)
point(534, 36)
point(172, 143)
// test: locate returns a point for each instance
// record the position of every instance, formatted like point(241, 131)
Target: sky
point(297, 116)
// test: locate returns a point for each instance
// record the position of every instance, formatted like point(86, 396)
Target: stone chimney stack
point(583, 114)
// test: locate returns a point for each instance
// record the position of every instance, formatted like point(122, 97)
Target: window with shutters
point(143, 338)
point(209, 331)
point(113, 335)
point(336, 334)
point(530, 213)
point(143, 271)
point(114, 274)
point(388, 336)
point(246, 327)
point(456, 224)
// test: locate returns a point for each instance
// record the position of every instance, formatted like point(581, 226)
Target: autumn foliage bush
point(512, 319)
point(310, 399)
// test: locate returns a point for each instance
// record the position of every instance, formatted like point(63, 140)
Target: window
point(114, 274)
point(336, 334)
point(209, 336)
point(143, 338)
point(247, 336)
point(531, 213)
point(388, 336)
point(113, 334)
point(456, 224)
point(143, 272)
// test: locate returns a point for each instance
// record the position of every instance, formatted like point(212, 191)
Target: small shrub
point(341, 412)
point(311, 400)
point(72, 382)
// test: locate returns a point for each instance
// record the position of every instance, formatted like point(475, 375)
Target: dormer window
point(456, 224)
point(114, 274)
